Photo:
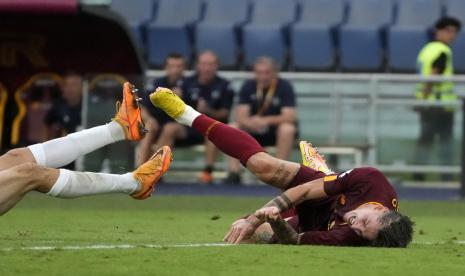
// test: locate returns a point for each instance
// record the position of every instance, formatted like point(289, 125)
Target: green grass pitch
point(39, 221)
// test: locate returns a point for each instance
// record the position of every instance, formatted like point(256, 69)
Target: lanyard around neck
point(268, 97)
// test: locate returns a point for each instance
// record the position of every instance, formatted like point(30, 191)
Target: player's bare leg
point(21, 179)
point(235, 143)
point(18, 180)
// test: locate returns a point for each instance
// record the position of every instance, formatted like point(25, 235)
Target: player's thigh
point(29, 176)
point(15, 157)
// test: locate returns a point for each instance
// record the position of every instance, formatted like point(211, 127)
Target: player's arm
point(293, 196)
point(243, 228)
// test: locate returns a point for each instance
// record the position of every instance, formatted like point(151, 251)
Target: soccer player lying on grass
point(33, 168)
point(355, 208)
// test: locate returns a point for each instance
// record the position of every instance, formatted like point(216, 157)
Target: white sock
point(75, 184)
point(188, 117)
point(62, 151)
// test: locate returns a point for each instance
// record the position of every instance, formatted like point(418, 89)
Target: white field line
point(113, 246)
point(131, 246)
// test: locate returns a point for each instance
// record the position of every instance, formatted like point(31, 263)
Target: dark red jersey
point(321, 221)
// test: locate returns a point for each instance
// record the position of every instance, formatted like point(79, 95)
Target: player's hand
point(268, 213)
point(240, 230)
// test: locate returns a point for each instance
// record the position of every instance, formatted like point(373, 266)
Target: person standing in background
point(435, 59)
point(154, 118)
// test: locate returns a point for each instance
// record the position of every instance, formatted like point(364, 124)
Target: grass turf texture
point(168, 220)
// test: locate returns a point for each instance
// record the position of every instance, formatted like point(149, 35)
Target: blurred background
point(346, 72)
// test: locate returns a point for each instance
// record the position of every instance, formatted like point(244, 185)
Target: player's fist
point(268, 213)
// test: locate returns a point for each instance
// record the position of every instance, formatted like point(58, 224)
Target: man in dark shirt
point(212, 95)
point(357, 207)
point(266, 110)
point(64, 117)
point(436, 59)
point(154, 118)
point(65, 114)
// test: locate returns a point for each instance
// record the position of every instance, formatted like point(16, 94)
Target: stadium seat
point(266, 34)
point(218, 30)
point(418, 13)
point(361, 39)
point(415, 18)
point(170, 31)
point(360, 48)
point(311, 38)
point(137, 14)
point(404, 45)
point(456, 8)
point(322, 12)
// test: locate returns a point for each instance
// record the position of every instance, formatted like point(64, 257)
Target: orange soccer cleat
point(312, 158)
point(149, 173)
point(128, 114)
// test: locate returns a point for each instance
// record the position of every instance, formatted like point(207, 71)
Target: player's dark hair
point(448, 21)
point(396, 231)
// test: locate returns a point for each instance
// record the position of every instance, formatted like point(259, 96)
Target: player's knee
point(19, 155)
point(287, 129)
point(261, 164)
point(28, 171)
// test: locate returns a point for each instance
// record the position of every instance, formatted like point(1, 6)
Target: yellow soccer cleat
point(168, 101)
point(149, 173)
point(128, 114)
point(312, 158)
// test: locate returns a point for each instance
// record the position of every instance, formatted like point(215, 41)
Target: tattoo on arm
point(282, 202)
point(280, 176)
point(263, 237)
point(284, 232)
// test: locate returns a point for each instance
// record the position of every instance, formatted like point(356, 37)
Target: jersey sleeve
point(356, 180)
point(288, 97)
point(340, 237)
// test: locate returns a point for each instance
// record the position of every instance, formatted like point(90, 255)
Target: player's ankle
point(188, 116)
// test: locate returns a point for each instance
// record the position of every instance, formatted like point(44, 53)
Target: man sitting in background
point(210, 94)
point(266, 110)
point(65, 115)
point(154, 118)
